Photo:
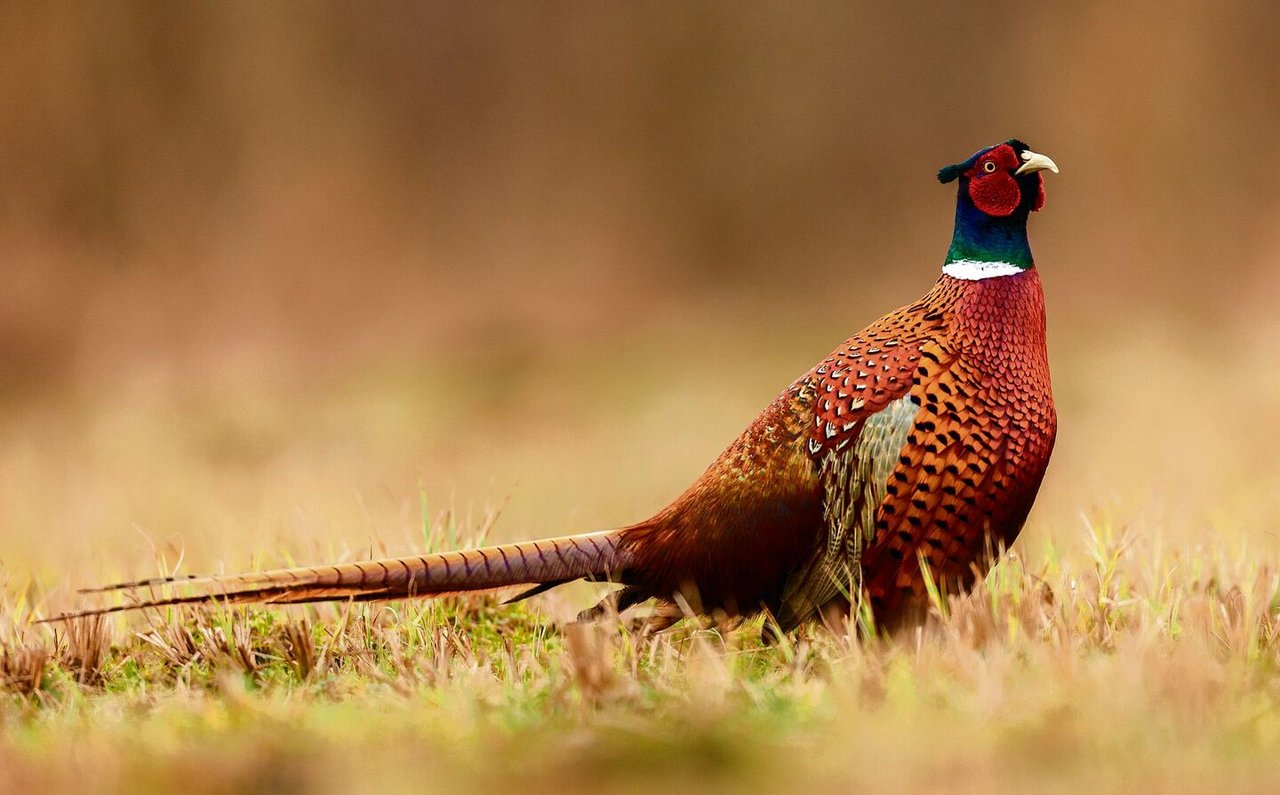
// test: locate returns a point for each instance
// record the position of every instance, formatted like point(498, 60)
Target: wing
point(864, 410)
point(854, 483)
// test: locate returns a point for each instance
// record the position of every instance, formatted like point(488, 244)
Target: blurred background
point(278, 274)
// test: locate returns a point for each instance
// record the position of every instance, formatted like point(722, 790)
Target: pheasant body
point(923, 437)
point(920, 442)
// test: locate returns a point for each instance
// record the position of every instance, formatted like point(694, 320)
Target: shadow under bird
point(910, 455)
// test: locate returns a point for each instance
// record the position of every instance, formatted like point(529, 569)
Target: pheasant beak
point(1034, 161)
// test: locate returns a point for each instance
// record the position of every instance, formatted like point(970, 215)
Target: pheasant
point(909, 457)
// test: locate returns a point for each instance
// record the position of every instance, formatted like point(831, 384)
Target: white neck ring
point(974, 270)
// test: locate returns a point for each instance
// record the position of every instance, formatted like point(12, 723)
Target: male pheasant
point(913, 451)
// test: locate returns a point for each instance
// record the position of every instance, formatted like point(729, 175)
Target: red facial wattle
point(992, 186)
point(995, 194)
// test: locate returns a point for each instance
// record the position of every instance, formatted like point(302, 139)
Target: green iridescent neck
point(979, 237)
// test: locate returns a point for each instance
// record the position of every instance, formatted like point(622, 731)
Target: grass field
point(1131, 642)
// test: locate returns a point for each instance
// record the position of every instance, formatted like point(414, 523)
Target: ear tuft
point(950, 173)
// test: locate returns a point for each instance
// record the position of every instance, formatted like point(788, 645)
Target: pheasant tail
point(540, 564)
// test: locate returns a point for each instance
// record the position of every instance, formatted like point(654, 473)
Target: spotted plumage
point(913, 451)
point(969, 422)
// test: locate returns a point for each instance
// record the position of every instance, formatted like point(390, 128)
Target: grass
point(1137, 670)
point(1129, 642)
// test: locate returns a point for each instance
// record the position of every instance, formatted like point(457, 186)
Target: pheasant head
point(1000, 186)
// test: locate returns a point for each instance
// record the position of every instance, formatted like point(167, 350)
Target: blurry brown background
point(269, 266)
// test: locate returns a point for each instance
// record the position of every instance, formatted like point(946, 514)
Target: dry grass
point(1137, 668)
point(1131, 641)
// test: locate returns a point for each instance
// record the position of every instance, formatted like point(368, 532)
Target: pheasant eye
point(989, 166)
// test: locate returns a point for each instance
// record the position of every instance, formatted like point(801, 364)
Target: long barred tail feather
point(541, 564)
point(149, 582)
